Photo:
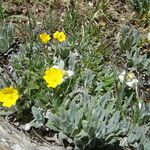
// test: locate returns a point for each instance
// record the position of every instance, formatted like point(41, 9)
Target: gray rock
point(12, 139)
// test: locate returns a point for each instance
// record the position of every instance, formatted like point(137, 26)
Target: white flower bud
point(131, 80)
point(122, 76)
point(70, 73)
point(140, 105)
point(148, 36)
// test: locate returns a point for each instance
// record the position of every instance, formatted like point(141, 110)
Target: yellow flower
point(8, 96)
point(44, 38)
point(53, 77)
point(60, 36)
point(56, 34)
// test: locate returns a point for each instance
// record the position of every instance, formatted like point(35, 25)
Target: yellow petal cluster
point(44, 38)
point(8, 96)
point(60, 36)
point(53, 77)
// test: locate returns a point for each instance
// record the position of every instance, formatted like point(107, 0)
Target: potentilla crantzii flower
point(44, 38)
point(131, 80)
point(55, 76)
point(60, 36)
point(8, 96)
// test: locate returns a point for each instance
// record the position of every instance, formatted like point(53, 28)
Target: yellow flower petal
point(8, 96)
point(44, 38)
point(60, 36)
point(55, 35)
point(53, 77)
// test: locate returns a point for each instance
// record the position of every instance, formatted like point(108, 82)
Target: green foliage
point(6, 37)
point(39, 117)
point(130, 43)
point(139, 137)
point(1, 11)
point(141, 6)
point(129, 39)
point(88, 119)
point(92, 107)
point(145, 114)
point(29, 67)
point(138, 61)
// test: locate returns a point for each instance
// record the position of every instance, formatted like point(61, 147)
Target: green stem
point(30, 32)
